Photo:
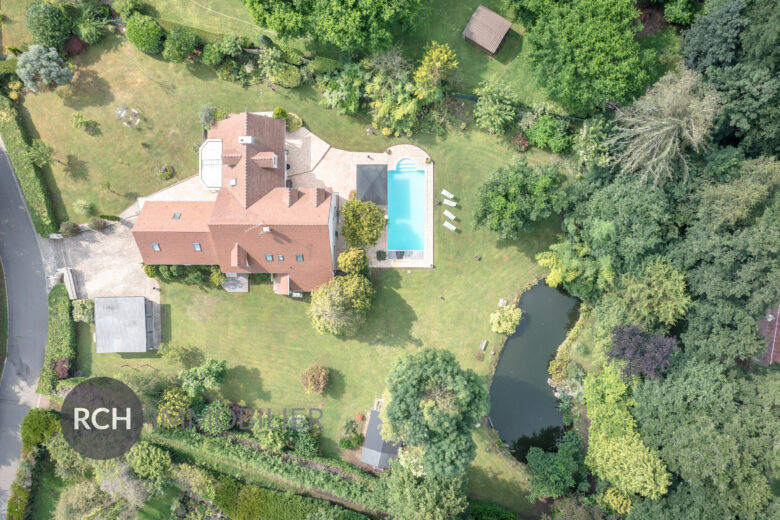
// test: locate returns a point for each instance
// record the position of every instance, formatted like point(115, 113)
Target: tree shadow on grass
point(89, 89)
point(511, 48)
point(391, 318)
point(75, 168)
point(336, 384)
point(537, 238)
point(243, 384)
point(504, 488)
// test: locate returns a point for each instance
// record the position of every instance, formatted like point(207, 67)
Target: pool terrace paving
point(314, 164)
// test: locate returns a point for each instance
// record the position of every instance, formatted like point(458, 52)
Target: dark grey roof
point(123, 324)
point(376, 451)
point(372, 183)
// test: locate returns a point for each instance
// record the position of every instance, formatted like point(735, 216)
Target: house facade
point(256, 223)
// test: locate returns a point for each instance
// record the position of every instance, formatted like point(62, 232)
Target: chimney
point(290, 196)
point(319, 196)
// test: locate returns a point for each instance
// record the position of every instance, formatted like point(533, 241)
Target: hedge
point(61, 338)
point(227, 455)
point(19, 501)
point(33, 187)
point(239, 501)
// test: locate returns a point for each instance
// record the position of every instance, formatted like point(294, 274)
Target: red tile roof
point(256, 226)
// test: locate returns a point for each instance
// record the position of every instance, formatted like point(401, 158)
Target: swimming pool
point(406, 207)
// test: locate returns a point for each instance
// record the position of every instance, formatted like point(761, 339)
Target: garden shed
point(487, 30)
point(376, 451)
point(123, 324)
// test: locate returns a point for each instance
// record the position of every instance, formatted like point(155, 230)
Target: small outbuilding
point(487, 30)
point(124, 324)
point(376, 451)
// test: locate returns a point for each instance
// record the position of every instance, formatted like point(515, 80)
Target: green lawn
point(3, 322)
point(13, 30)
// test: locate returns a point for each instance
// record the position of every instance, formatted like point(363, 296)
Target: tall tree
point(553, 474)
point(434, 404)
point(585, 53)
point(658, 131)
point(50, 23)
point(516, 195)
point(716, 428)
point(438, 62)
point(713, 39)
point(354, 25)
point(363, 224)
point(41, 67)
point(339, 306)
point(644, 354)
point(410, 495)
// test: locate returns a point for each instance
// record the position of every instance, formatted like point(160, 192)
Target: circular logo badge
point(101, 418)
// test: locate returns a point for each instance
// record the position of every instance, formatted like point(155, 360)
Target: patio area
point(337, 169)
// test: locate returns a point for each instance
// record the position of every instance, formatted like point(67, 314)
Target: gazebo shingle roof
point(487, 29)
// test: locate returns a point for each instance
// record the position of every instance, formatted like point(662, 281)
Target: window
point(280, 258)
point(269, 257)
point(156, 246)
point(176, 216)
point(196, 247)
point(299, 258)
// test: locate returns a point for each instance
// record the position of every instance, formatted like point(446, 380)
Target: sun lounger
point(483, 344)
point(449, 215)
point(449, 226)
point(448, 202)
point(447, 194)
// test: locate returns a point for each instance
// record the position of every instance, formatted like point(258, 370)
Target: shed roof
point(122, 324)
point(376, 451)
point(487, 29)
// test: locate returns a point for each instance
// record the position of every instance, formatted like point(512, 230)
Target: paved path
point(27, 322)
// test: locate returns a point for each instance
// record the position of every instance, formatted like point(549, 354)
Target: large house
point(256, 223)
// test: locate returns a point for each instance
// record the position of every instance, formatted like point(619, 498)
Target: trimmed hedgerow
point(230, 455)
point(61, 338)
point(247, 501)
point(35, 192)
point(19, 501)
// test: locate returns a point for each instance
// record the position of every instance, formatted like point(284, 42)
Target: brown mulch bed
point(652, 18)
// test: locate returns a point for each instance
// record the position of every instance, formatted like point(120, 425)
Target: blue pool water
point(406, 207)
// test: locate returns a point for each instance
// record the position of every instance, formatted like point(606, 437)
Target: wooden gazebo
point(487, 30)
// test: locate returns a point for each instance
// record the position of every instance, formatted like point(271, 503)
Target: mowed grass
point(13, 31)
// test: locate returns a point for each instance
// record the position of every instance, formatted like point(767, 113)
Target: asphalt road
point(27, 322)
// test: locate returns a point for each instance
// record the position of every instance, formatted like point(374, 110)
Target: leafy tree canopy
point(358, 26)
point(713, 39)
point(205, 377)
point(41, 67)
point(179, 44)
point(516, 195)
point(497, 107)
point(644, 354)
point(434, 403)
point(408, 494)
point(363, 223)
point(145, 33)
point(50, 23)
point(715, 427)
point(339, 306)
point(585, 53)
point(552, 474)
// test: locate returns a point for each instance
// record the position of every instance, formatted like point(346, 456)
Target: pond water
point(522, 407)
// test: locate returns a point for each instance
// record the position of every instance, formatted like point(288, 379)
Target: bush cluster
point(550, 133)
point(34, 189)
point(61, 339)
point(145, 33)
point(315, 379)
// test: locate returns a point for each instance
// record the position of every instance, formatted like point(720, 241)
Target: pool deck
point(314, 163)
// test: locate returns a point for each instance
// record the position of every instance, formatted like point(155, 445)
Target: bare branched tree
point(657, 132)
